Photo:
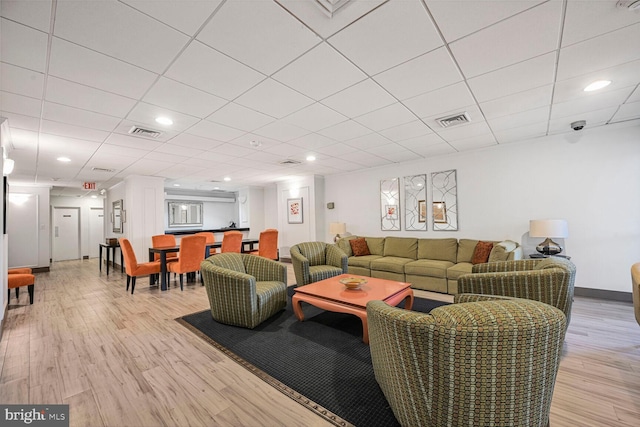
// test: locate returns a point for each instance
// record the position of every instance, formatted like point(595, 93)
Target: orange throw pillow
point(481, 252)
point(359, 247)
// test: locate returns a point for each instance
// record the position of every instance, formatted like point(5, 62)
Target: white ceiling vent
point(330, 7)
point(147, 133)
point(103, 170)
point(456, 119)
point(289, 162)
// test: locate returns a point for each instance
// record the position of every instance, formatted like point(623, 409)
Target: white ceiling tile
point(193, 141)
point(310, 14)
point(145, 167)
point(587, 19)
point(87, 98)
point(610, 49)
point(75, 116)
point(264, 142)
point(287, 151)
point(345, 130)
point(320, 72)
point(464, 131)
point(635, 96)
point(144, 145)
point(368, 141)
point(233, 150)
point(442, 100)
point(20, 104)
point(312, 141)
point(519, 38)
point(201, 162)
point(213, 156)
point(315, 117)
point(238, 30)
point(164, 157)
point(336, 150)
point(517, 102)
point(435, 150)
point(23, 46)
point(281, 131)
point(109, 27)
point(185, 15)
point(180, 97)
point(239, 117)
point(211, 71)
point(593, 118)
point(359, 99)
point(80, 65)
point(215, 131)
point(474, 142)
point(628, 111)
point(516, 78)
point(406, 131)
point(425, 73)
point(146, 114)
point(595, 101)
point(178, 171)
point(21, 80)
point(19, 121)
point(274, 99)
point(386, 117)
point(76, 149)
point(538, 115)
point(622, 76)
point(459, 18)
point(36, 14)
point(179, 150)
point(71, 131)
point(261, 156)
point(365, 159)
point(388, 36)
point(393, 152)
point(521, 133)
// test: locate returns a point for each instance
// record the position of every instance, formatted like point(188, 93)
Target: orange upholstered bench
point(19, 277)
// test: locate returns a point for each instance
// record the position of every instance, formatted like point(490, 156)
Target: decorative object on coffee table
point(548, 228)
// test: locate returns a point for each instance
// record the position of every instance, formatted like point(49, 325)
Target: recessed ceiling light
point(226, 178)
point(164, 121)
point(94, 197)
point(63, 159)
point(216, 188)
point(597, 85)
point(311, 158)
point(176, 185)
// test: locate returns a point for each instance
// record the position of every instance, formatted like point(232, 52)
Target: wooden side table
point(113, 253)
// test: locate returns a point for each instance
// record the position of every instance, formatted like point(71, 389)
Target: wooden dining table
point(247, 246)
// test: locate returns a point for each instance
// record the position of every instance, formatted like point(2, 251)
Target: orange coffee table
point(331, 295)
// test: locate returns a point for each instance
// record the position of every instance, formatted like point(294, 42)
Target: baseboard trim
point(40, 269)
point(603, 294)
point(85, 257)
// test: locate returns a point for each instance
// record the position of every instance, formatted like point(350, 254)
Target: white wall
point(85, 204)
point(591, 179)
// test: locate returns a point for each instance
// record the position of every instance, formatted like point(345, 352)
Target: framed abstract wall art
point(294, 211)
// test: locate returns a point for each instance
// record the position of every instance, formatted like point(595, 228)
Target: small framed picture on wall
point(294, 211)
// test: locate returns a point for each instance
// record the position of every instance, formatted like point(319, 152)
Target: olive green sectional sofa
point(428, 264)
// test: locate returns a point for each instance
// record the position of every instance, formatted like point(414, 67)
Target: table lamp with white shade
point(337, 228)
point(549, 229)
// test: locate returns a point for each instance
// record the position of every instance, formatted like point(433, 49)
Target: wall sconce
point(549, 228)
point(337, 228)
point(7, 166)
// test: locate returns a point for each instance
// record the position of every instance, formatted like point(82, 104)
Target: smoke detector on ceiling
point(147, 133)
point(456, 119)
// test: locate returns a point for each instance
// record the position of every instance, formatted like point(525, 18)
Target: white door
point(96, 230)
point(66, 234)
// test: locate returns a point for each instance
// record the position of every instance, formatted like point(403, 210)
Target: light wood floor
point(122, 360)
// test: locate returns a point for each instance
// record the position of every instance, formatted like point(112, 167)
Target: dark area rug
point(321, 363)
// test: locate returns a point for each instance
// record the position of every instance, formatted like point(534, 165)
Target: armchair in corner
point(315, 261)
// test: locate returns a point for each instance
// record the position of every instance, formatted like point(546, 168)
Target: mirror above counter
point(185, 213)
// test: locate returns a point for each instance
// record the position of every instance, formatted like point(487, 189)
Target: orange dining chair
point(267, 244)
point(164, 241)
point(232, 242)
point(132, 268)
point(211, 239)
point(191, 255)
point(19, 277)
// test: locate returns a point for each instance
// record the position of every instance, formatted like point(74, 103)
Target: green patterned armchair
point(315, 261)
point(550, 280)
point(244, 290)
point(482, 361)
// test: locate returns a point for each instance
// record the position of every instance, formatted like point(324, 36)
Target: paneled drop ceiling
point(249, 84)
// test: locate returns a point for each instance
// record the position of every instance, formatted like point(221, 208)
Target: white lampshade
point(7, 166)
point(548, 228)
point(337, 228)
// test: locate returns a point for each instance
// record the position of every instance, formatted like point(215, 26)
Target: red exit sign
point(89, 185)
